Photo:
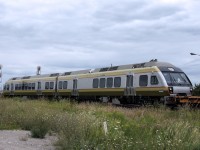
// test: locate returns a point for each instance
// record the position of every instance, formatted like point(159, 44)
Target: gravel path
point(21, 140)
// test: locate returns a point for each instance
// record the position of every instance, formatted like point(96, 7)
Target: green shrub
point(196, 90)
point(80, 126)
point(39, 131)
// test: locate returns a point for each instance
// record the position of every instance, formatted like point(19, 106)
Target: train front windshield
point(176, 79)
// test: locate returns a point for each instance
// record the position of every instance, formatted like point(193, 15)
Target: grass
point(80, 126)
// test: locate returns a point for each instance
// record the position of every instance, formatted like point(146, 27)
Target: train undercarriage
point(128, 101)
point(171, 101)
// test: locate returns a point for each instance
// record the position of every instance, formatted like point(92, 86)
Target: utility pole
point(194, 54)
point(38, 70)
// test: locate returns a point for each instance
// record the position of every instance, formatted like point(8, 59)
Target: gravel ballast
point(21, 140)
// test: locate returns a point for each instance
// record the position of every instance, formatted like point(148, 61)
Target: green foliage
point(39, 131)
point(196, 90)
point(80, 126)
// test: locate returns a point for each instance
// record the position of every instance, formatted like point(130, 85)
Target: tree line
point(196, 90)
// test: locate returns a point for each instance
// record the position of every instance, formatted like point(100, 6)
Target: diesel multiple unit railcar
point(134, 83)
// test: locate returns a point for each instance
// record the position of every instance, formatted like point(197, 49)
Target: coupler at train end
point(170, 101)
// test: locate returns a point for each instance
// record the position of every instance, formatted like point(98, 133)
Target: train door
point(56, 87)
point(12, 89)
point(75, 90)
point(129, 91)
point(39, 90)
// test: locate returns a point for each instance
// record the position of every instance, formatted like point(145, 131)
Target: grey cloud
point(119, 12)
point(192, 30)
point(62, 37)
point(123, 12)
point(2, 9)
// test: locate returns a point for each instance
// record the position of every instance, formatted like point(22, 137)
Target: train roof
point(163, 66)
point(53, 75)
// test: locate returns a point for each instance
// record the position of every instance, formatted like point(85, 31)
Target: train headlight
point(191, 89)
point(171, 90)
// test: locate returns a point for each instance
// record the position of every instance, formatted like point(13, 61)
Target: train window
point(25, 86)
point(167, 78)
point(75, 82)
point(29, 86)
point(33, 86)
point(51, 85)
point(46, 85)
point(109, 82)
point(20, 86)
point(60, 84)
point(143, 80)
point(8, 87)
point(185, 79)
point(12, 87)
point(129, 81)
point(154, 80)
point(16, 86)
point(39, 86)
point(102, 83)
point(117, 81)
point(95, 83)
point(65, 85)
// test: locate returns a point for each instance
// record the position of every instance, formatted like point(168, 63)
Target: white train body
point(150, 81)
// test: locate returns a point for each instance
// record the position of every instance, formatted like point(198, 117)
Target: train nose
point(182, 91)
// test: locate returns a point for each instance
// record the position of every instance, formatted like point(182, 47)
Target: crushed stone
point(22, 140)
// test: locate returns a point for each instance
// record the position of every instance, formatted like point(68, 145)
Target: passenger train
point(140, 83)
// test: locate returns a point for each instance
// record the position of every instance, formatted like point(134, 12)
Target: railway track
point(174, 102)
point(188, 99)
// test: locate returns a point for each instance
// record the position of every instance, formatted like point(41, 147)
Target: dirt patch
point(21, 140)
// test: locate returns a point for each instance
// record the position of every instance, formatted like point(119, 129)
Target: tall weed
point(80, 126)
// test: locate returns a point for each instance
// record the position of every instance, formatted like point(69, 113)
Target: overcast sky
point(65, 35)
